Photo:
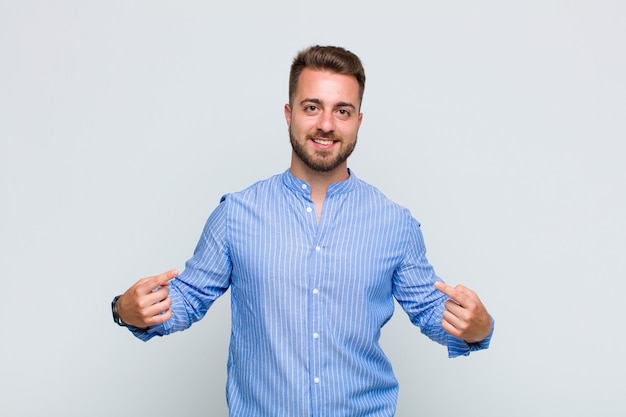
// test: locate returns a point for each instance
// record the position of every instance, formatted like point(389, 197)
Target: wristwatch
point(117, 318)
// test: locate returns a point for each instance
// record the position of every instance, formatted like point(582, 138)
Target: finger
point(456, 309)
point(471, 332)
point(157, 296)
point(161, 318)
point(157, 309)
point(164, 278)
point(459, 294)
point(149, 284)
point(450, 329)
point(446, 289)
point(137, 305)
point(455, 314)
point(458, 322)
point(467, 312)
point(149, 315)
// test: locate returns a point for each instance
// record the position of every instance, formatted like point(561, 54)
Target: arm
point(462, 327)
point(161, 305)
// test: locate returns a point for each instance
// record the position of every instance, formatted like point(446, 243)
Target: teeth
point(323, 142)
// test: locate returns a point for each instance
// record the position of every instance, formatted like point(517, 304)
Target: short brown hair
point(331, 58)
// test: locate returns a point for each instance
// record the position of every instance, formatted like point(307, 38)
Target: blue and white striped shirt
point(309, 299)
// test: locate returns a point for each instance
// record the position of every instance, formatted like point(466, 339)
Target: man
point(314, 258)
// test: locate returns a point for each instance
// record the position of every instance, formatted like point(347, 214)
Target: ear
point(360, 119)
point(287, 111)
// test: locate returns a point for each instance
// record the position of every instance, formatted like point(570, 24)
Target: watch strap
point(116, 317)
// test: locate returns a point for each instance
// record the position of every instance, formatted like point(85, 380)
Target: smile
point(323, 142)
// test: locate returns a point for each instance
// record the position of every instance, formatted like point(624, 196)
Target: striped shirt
point(309, 299)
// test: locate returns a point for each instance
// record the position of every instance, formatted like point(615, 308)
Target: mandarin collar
point(303, 188)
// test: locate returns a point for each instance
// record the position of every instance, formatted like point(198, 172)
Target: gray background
point(500, 125)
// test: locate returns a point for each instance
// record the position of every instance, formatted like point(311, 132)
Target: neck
point(318, 180)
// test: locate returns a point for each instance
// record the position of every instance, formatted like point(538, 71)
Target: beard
point(320, 160)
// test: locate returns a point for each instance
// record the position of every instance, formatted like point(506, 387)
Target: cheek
point(350, 132)
point(303, 126)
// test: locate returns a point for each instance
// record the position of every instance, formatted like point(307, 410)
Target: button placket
point(315, 335)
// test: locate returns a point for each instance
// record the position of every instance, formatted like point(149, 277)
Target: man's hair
point(329, 58)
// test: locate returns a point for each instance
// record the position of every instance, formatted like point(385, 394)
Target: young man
point(314, 258)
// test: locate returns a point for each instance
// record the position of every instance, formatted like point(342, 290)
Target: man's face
point(324, 119)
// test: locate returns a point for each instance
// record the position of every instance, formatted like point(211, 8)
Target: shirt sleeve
point(205, 278)
point(413, 288)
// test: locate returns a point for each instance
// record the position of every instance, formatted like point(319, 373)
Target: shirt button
point(316, 380)
point(317, 248)
point(316, 291)
point(309, 209)
point(304, 186)
point(316, 335)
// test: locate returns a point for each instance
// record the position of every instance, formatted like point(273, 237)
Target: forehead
point(328, 85)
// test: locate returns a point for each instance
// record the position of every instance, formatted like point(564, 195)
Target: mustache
point(320, 134)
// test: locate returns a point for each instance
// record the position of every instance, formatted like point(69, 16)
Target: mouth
point(323, 142)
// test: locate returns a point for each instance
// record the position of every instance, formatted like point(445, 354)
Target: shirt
point(309, 299)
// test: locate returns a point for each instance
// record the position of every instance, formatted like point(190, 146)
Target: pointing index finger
point(166, 277)
point(451, 292)
point(161, 279)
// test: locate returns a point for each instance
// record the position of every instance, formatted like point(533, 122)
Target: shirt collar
point(303, 188)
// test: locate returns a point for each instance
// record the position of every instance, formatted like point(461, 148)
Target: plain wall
point(500, 125)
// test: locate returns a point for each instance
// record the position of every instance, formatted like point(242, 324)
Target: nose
point(326, 122)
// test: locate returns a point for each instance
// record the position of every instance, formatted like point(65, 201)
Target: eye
point(344, 113)
point(311, 108)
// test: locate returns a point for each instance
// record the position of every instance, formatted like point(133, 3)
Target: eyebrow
point(318, 101)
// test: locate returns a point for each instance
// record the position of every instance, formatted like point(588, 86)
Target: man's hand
point(147, 303)
point(465, 316)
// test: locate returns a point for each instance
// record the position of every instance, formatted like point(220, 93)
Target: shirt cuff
point(146, 334)
point(458, 347)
